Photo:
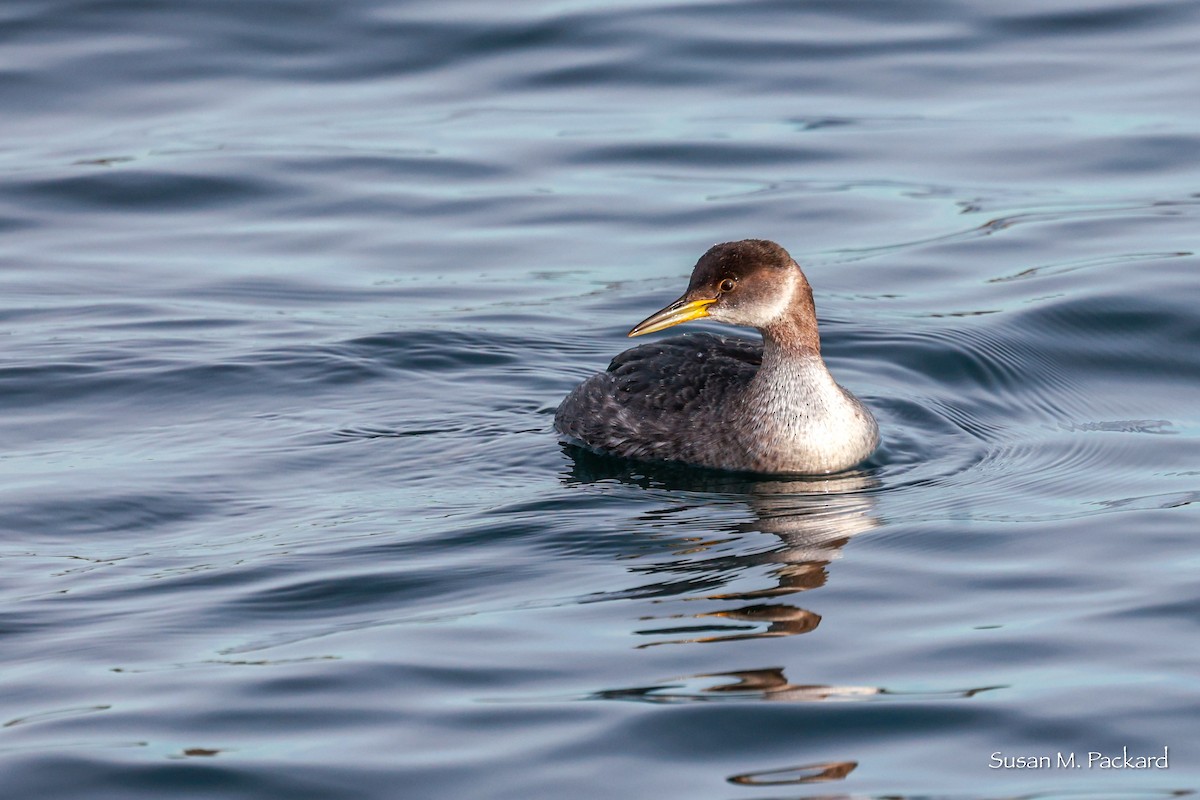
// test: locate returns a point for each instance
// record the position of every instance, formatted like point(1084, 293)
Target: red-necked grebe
point(716, 401)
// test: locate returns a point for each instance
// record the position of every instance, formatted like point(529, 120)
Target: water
point(290, 291)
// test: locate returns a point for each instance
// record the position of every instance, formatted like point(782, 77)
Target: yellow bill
point(682, 310)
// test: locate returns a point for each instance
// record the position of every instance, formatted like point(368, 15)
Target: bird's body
point(724, 402)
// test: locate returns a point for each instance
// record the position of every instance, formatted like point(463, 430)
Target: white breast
point(804, 422)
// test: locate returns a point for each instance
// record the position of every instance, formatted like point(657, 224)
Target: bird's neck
point(793, 380)
point(792, 335)
point(803, 421)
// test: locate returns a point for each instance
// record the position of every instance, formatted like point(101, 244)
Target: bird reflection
point(748, 592)
point(769, 684)
point(804, 773)
point(811, 517)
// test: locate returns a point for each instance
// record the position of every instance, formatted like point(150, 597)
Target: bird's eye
point(727, 285)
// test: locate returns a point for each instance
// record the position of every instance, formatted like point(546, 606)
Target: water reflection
point(832, 767)
point(805, 773)
point(770, 684)
point(751, 592)
point(811, 519)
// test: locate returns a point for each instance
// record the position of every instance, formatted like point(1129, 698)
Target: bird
point(724, 402)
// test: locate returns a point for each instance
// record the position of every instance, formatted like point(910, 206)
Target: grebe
point(723, 402)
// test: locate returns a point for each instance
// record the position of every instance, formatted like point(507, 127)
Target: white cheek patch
point(783, 300)
point(758, 315)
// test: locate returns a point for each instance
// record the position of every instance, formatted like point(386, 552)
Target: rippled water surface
point(289, 292)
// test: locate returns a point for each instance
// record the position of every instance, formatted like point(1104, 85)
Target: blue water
point(289, 292)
